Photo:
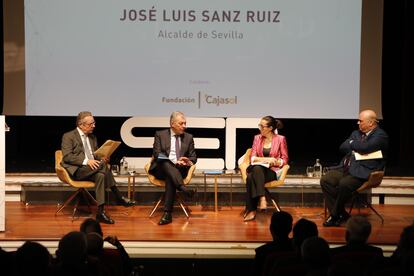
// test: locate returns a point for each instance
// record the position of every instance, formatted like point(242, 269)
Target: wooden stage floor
point(38, 222)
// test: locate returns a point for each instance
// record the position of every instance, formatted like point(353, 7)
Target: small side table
point(216, 174)
point(131, 180)
point(131, 184)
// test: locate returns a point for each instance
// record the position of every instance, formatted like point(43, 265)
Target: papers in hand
point(373, 155)
point(107, 149)
point(261, 164)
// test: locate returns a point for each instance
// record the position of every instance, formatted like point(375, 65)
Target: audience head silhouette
point(358, 229)
point(91, 225)
point(281, 225)
point(302, 230)
point(72, 249)
point(315, 252)
point(95, 244)
point(32, 258)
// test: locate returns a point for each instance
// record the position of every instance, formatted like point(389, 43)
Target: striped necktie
point(177, 146)
point(86, 148)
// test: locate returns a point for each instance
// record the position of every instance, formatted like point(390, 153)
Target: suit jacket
point(376, 140)
point(275, 248)
point(357, 248)
point(279, 148)
point(73, 151)
point(162, 144)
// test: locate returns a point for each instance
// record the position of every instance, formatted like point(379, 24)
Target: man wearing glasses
point(78, 147)
point(341, 181)
point(174, 154)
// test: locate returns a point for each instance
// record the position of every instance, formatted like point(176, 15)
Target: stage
point(206, 234)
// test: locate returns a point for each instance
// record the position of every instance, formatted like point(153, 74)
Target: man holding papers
point(364, 153)
point(173, 153)
point(80, 160)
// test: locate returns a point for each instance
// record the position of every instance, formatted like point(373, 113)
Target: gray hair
point(358, 229)
point(82, 115)
point(174, 116)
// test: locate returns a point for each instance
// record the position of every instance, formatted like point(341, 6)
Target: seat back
point(64, 176)
point(281, 180)
point(246, 162)
point(161, 183)
point(374, 180)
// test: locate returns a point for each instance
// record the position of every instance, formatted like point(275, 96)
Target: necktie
point(87, 150)
point(177, 146)
point(347, 161)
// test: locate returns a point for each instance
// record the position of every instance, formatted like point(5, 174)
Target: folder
point(373, 155)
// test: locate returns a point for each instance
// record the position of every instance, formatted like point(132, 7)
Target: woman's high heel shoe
point(251, 215)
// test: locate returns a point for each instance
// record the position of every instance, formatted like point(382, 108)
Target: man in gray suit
point(173, 153)
point(78, 147)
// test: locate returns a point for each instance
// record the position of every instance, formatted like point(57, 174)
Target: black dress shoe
point(165, 219)
point(104, 218)
point(126, 202)
point(331, 222)
point(343, 217)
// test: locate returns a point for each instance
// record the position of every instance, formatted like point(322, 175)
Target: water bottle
point(123, 166)
point(317, 169)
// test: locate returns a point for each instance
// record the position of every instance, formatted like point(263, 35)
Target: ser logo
point(229, 124)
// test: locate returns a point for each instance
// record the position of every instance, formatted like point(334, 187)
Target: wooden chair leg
point(352, 204)
point(69, 200)
point(180, 202)
point(75, 208)
point(184, 207)
point(369, 205)
point(90, 197)
point(156, 206)
point(272, 199)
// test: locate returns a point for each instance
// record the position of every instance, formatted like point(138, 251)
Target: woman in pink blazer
point(270, 150)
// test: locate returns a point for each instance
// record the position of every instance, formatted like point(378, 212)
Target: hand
point(113, 240)
point(272, 161)
point(94, 164)
point(105, 159)
point(184, 161)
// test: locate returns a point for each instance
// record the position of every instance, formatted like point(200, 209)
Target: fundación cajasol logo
point(201, 99)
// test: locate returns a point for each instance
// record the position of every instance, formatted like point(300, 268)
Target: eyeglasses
point(90, 124)
point(262, 126)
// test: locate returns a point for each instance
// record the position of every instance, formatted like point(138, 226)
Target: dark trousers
point(173, 177)
point(337, 188)
point(102, 177)
point(255, 184)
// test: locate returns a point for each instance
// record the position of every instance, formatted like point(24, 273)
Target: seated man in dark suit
point(341, 181)
point(173, 154)
point(78, 147)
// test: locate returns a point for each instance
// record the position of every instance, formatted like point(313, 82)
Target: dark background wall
point(32, 140)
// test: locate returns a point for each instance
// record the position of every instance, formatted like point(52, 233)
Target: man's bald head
point(367, 120)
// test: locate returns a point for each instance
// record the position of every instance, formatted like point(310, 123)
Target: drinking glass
point(131, 170)
point(310, 171)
